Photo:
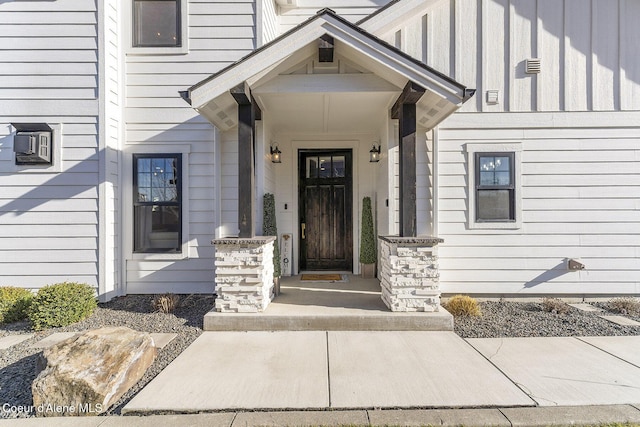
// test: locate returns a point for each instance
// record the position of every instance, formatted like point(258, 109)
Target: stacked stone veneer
point(244, 274)
point(409, 273)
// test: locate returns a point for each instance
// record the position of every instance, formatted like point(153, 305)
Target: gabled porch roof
point(387, 64)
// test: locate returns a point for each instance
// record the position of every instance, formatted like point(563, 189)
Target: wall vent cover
point(532, 65)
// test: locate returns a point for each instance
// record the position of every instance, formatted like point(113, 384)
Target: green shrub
point(463, 305)
point(367, 237)
point(14, 303)
point(271, 229)
point(554, 305)
point(61, 304)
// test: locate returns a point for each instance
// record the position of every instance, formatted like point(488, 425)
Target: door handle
point(304, 227)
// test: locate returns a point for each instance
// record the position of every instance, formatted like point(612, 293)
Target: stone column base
point(244, 274)
point(409, 273)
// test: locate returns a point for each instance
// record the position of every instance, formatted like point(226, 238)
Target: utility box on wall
point(33, 143)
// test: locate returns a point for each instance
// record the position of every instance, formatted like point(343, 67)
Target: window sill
point(151, 256)
point(511, 225)
point(141, 51)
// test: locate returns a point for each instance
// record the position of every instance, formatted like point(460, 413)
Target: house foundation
point(244, 274)
point(409, 273)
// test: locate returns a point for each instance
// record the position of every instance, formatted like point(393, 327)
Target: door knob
point(303, 227)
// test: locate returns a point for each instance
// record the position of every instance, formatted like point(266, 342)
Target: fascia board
point(246, 69)
point(397, 62)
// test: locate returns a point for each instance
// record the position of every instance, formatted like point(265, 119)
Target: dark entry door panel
point(325, 210)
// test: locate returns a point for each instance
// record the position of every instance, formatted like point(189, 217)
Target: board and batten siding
point(49, 73)
point(588, 50)
point(157, 119)
point(580, 199)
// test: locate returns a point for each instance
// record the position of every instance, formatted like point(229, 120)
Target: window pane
point(312, 167)
point(495, 170)
point(338, 166)
point(502, 163)
point(494, 205)
point(156, 23)
point(325, 167)
point(157, 228)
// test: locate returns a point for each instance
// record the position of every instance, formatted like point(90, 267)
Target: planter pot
point(368, 271)
point(276, 286)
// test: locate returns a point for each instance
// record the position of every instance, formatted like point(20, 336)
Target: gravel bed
point(17, 363)
point(499, 319)
point(528, 319)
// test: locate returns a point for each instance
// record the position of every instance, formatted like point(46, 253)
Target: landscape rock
point(86, 374)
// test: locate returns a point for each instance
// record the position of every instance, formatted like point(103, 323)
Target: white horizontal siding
point(579, 199)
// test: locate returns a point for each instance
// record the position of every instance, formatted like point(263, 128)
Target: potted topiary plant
point(367, 242)
point(270, 229)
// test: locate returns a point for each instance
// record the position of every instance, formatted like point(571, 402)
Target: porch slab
point(563, 371)
point(355, 305)
point(414, 369)
point(230, 370)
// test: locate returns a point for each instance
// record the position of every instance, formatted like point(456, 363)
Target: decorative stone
point(409, 273)
point(86, 374)
point(244, 274)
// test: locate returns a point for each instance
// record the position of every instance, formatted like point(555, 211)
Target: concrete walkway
point(314, 378)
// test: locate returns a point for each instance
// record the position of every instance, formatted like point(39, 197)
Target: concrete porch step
point(355, 305)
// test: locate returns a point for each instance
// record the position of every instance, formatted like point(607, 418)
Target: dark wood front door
point(325, 193)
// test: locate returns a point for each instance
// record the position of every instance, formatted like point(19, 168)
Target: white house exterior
point(539, 167)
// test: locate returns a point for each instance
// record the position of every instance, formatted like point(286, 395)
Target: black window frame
point(511, 187)
point(134, 22)
point(178, 202)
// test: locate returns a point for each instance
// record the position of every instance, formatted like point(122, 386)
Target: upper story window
point(157, 23)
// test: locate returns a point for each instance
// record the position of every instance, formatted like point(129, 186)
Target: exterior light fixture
point(275, 153)
point(374, 154)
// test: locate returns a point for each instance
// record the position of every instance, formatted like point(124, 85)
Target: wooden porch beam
point(404, 110)
point(248, 113)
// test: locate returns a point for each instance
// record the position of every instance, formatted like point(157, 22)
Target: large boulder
point(86, 374)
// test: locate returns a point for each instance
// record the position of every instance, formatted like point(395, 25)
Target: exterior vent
point(492, 97)
point(33, 143)
point(532, 65)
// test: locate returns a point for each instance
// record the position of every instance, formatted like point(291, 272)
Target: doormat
point(324, 277)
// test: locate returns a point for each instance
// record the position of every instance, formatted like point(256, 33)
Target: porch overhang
point(388, 70)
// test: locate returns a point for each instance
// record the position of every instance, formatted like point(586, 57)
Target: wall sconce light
point(374, 153)
point(275, 153)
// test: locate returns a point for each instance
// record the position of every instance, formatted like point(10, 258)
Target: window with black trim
point(157, 203)
point(157, 23)
point(495, 187)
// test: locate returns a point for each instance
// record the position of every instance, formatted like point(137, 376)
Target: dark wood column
point(248, 113)
point(404, 110)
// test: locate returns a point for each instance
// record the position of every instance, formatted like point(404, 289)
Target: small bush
point(165, 303)
point(554, 305)
point(61, 304)
point(14, 303)
point(463, 305)
point(624, 305)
